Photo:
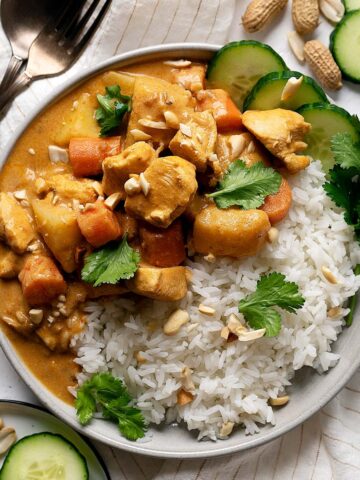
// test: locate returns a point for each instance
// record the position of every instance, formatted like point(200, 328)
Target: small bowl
point(28, 419)
point(309, 392)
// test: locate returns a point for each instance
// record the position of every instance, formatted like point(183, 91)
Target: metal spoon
point(22, 21)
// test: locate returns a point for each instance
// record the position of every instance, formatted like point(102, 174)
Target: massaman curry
point(110, 190)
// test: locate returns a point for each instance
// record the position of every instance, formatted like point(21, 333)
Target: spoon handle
point(14, 89)
point(11, 71)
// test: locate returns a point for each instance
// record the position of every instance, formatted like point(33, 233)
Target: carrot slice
point(163, 248)
point(98, 224)
point(86, 154)
point(41, 280)
point(278, 205)
point(226, 113)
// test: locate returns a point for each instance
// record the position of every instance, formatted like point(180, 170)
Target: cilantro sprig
point(271, 290)
point(246, 187)
point(113, 107)
point(111, 264)
point(109, 395)
point(343, 186)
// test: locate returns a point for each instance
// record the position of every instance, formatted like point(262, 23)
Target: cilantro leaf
point(130, 421)
point(343, 186)
point(108, 387)
point(271, 290)
point(246, 187)
point(256, 315)
point(346, 151)
point(111, 396)
point(356, 122)
point(113, 107)
point(352, 302)
point(85, 405)
point(111, 264)
point(344, 192)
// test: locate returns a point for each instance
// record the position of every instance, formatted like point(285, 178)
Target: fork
point(58, 45)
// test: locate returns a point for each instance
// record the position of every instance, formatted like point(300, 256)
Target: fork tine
point(72, 32)
point(70, 16)
point(56, 21)
point(77, 49)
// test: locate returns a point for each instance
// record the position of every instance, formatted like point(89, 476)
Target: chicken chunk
point(14, 312)
point(15, 224)
point(67, 187)
point(234, 146)
point(75, 295)
point(10, 263)
point(230, 232)
point(41, 280)
point(172, 186)
point(134, 159)
point(165, 284)
point(191, 78)
point(57, 335)
point(196, 139)
point(152, 98)
point(281, 132)
point(60, 231)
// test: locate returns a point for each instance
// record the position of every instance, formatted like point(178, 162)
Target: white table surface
point(291, 461)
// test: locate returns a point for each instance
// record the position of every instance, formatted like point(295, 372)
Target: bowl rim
point(171, 50)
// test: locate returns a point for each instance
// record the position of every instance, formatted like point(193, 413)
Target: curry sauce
point(72, 194)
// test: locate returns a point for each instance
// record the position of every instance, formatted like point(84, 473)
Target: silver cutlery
point(22, 21)
point(58, 45)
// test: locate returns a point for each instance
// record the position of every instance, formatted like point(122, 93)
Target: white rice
point(233, 381)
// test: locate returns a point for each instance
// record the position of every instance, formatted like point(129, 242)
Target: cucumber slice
point(351, 5)
point(44, 456)
point(266, 94)
point(345, 46)
point(326, 120)
point(238, 66)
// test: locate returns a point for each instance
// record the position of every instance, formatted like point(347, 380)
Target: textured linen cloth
point(328, 445)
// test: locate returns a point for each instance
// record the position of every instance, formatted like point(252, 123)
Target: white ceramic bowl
point(309, 392)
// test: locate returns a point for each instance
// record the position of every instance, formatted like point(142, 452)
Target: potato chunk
point(78, 121)
point(165, 284)
point(15, 225)
point(230, 232)
point(60, 231)
point(67, 187)
point(282, 132)
point(151, 99)
point(14, 312)
point(10, 263)
point(172, 187)
point(195, 140)
point(134, 159)
point(41, 280)
point(126, 81)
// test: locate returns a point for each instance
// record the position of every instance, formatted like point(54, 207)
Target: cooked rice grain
point(233, 381)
